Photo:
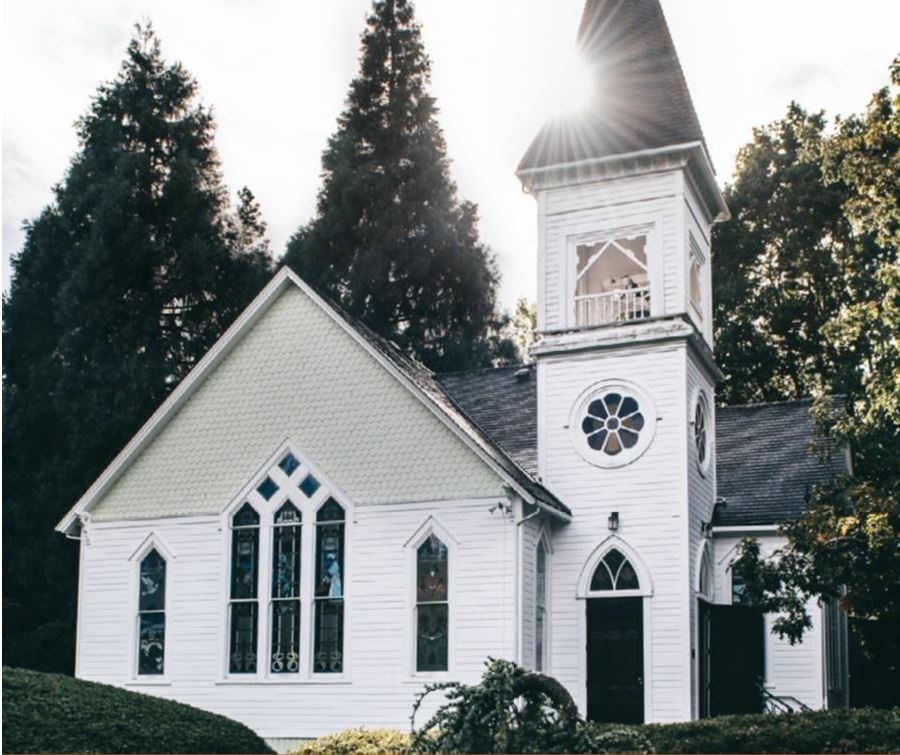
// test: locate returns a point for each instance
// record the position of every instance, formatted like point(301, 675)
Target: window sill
point(153, 683)
point(299, 681)
point(428, 678)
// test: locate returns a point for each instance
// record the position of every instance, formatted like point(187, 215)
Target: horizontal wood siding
point(650, 496)
point(794, 670)
point(378, 688)
point(603, 206)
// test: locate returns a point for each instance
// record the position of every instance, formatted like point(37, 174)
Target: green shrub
point(360, 741)
point(830, 731)
point(54, 713)
point(601, 738)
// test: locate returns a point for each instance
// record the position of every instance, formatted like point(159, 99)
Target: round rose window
point(613, 424)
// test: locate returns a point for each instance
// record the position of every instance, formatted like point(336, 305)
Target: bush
point(829, 731)
point(358, 742)
point(54, 713)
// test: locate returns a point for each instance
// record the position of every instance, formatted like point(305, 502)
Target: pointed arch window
point(243, 607)
point(328, 651)
point(614, 572)
point(540, 606)
point(285, 612)
point(705, 578)
point(432, 605)
point(152, 614)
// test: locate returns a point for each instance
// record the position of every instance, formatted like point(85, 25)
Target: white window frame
point(699, 397)
point(432, 526)
point(696, 257)
point(543, 541)
point(308, 507)
point(151, 542)
point(647, 408)
point(648, 226)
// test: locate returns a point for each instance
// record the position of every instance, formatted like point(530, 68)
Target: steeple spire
point(641, 100)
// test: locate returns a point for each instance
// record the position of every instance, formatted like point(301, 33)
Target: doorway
point(615, 660)
point(732, 645)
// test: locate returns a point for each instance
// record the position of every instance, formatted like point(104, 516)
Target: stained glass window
point(613, 423)
point(288, 464)
point(286, 590)
point(152, 614)
point(701, 431)
point(267, 488)
point(614, 572)
point(432, 605)
point(329, 589)
point(243, 611)
point(309, 486)
point(540, 606)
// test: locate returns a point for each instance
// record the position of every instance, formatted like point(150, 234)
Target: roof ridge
point(779, 402)
point(454, 373)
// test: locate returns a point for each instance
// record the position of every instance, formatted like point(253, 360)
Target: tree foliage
point(124, 281)
point(812, 305)
point(391, 242)
point(512, 710)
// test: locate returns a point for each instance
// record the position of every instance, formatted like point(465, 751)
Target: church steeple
point(640, 98)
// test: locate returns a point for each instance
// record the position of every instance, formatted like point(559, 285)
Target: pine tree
point(391, 242)
point(123, 283)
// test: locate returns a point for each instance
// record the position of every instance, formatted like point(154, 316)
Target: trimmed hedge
point(833, 731)
point(861, 730)
point(46, 713)
point(360, 741)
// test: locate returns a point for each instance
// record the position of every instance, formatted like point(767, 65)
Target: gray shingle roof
point(764, 468)
point(642, 100)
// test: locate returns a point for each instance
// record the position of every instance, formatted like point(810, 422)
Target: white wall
point(794, 670)
point(650, 495)
point(378, 685)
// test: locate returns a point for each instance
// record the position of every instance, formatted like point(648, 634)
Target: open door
point(735, 641)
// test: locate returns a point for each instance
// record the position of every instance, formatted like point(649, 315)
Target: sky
point(276, 74)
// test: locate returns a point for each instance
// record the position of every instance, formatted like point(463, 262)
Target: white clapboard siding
point(794, 670)
point(378, 687)
point(650, 495)
point(701, 494)
point(601, 207)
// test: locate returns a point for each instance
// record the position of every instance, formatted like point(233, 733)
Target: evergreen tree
point(391, 242)
point(123, 283)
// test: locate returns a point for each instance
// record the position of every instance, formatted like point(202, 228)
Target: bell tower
point(626, 198)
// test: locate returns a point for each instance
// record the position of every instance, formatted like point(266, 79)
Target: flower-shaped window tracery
point(613, 423)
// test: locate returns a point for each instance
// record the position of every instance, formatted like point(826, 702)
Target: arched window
point(243, 607)
point(286, 590)
point(614, 572)
point(705, 580)
point(540, 606)
point(152, 614)
point(432, 605)
point(696, 290)
point(328, 649)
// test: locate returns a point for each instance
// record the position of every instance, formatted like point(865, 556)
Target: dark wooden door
point(703, 655)
point(615, 660)
point(736, 642)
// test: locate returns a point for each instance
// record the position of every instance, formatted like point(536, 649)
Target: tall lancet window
point(612, 281)
point(243, 606)
point(286, 590)
point(540, 607)
point(432, 605)
point(328, 652)
point(152, 614)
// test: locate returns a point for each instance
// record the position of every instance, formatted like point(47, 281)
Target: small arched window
point(328, 651)
point(286, 590)
point(432, 605)
point(540, 606)
point(696, 289)
point(152, 614)
point(614, 572)
point(705, 581)
point(243, 607)
point(702, 432)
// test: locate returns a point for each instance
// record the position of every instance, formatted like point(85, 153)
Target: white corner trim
point(232, 336)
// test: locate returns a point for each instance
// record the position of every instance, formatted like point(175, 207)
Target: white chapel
point(312, 525)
